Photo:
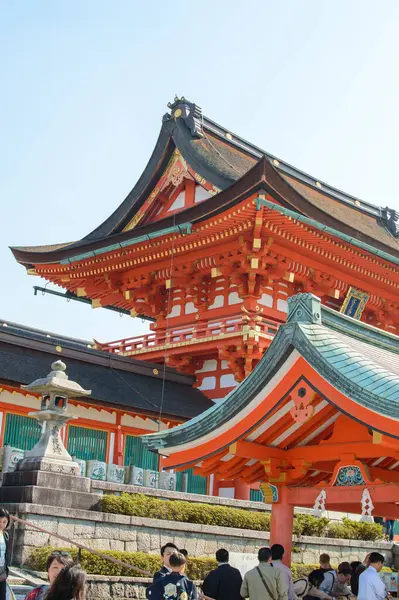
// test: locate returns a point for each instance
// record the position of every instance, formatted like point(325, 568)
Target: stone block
point(99, 544)
point(143, 542)
point(116, 545)
point(35, 538)
point(47, 480)
point(98, 591)
point(45, 523)
point(84, 529)
point(48, 496)
point(131, 546)
point(118, 590)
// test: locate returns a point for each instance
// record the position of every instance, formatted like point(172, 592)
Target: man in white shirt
point(371, 586)
point(277, 556)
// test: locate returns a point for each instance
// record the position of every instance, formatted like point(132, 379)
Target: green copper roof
point(359, 360)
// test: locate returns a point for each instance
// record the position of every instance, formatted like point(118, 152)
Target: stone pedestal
point(47, 475)
point(47, 488)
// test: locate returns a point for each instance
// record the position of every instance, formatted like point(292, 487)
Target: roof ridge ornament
point(390, 218)
point(190, 113)
point(304, 308)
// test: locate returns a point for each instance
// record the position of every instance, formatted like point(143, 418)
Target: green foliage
point(354, 530)
point(186, 512)
point(309, 525)
point(197, 568)
point(139, 505)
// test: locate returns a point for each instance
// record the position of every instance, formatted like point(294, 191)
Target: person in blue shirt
point(175, 585)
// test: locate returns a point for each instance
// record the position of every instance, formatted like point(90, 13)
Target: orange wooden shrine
point(316, 421)
point(210, 243)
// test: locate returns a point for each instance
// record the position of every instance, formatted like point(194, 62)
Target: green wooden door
point(137, 454)
point(195, 483)
point(87, 444)
point(256, 496)
point(21, 432)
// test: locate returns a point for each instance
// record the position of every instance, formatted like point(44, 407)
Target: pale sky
point(84, 85)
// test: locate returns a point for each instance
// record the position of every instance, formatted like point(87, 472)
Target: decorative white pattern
point(320, 504)
point(367, 507)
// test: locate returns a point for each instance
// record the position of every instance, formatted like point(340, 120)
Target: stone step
point(63, 498)
point(47, 480)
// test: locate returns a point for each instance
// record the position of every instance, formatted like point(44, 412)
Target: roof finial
point(304, 308)
point(190, 114)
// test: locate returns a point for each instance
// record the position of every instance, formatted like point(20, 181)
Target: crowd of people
point(271, 579)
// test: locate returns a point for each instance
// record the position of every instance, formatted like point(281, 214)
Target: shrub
point(139, 505)
point(354, 530)
point(197, 568)
point(187, 512)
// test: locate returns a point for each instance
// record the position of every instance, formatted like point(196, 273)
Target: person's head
point(344, 575)
point(277, 551)
point(376, 560)
point(166, 552)
point(264, 555)
point(366, 561)
point(184, 552)
point(324, 561)
point(354, 565)
point(56, 562)
point(4, 519)
point(222, 556)
point(68, 585)
point(177, 562)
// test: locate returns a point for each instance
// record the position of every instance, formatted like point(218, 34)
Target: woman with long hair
point(69, 584)
point(4, 523)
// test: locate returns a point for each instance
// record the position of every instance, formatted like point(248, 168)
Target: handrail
point(96, 552)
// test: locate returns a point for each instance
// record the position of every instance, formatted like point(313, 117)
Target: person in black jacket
point(166, 552)
point(175, 585)
point(223, 583)
point(4, 524)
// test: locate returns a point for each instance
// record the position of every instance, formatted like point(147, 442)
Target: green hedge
point(138, 505)
point(197, 568)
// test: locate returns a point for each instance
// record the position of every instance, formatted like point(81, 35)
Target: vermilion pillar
point(118, 447)
point(241, 490)
point(282, 524)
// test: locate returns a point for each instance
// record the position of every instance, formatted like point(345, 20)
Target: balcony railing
point(229, 327)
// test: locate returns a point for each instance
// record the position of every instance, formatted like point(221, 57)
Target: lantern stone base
point(49, 465)
point(48, 488)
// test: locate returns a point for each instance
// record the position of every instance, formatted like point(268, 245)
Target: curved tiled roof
point(223, 159)
point(26, 353)
point(362, 364)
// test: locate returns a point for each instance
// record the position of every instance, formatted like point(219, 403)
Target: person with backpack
point(264, 582)
point(330, 575)
point(175, 585)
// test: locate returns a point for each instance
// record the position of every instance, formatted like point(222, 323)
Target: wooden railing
point(233, 325)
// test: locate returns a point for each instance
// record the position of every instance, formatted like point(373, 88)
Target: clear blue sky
point(84, 85)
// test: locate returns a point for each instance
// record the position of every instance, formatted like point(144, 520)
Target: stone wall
point(105, 531)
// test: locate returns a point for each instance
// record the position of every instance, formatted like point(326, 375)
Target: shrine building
point(316, 421)
point(210, 243)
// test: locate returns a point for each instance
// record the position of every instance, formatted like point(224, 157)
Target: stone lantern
point(50, 454)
